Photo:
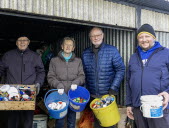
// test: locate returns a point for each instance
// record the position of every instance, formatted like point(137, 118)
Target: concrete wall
point(159, 21)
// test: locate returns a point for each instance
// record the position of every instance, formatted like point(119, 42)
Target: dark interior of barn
point(37, 30)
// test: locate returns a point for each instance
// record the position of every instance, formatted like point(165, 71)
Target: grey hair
point(69, 38)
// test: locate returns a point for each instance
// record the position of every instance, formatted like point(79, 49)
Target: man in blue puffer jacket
point(103, 67)
point(148, 74)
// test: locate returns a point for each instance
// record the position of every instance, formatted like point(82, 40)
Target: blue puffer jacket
point(151, 79)
point(105, 72)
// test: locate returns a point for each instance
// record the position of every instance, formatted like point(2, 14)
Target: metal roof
point(157, 4)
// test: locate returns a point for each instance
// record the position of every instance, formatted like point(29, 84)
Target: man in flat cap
point(148, 74)
point(22, 66)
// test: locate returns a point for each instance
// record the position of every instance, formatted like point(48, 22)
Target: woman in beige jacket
point(65, 72)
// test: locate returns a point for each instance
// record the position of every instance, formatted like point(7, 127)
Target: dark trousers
point(3, 119)
point(143, 122)
point(71, 120)
point(20, 119)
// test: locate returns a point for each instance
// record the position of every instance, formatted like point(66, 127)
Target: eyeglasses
point(95, 36)
point(22, 40)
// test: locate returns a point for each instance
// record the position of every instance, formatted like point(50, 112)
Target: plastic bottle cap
point(5, 88)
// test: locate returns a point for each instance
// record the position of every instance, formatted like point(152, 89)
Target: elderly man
point(103, 67)
point(148, 74)
point(22, 66)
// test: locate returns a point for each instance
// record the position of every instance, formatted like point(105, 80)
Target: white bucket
point(152, 106)
point(40, 121)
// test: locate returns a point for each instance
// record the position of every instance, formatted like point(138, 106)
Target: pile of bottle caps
point(57, 105)
point(79, 100)
point(103, 102)
point(16, 93)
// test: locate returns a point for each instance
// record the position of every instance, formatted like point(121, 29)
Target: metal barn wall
point(100, 11)
point(159, 21)
point(124, 40)
point(163, 38)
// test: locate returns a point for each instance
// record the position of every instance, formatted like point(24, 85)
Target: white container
point(152, 106)
point(40, 121)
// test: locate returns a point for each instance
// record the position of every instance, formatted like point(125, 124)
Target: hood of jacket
point(62, 58)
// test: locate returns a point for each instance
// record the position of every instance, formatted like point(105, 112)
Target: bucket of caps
point(56, 104)
point(152, 106)
point(16, 93)
point(78, 99)
point(106, 111)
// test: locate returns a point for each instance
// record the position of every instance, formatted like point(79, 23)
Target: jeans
point(71, 120)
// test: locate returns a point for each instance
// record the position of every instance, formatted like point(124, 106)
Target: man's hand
point(73, 87)
point(165, 100)
point(60, 91)
point(37, 88)
point(130, 113)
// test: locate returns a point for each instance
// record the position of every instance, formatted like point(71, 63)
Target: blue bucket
point(54, 96)
point(79, 92)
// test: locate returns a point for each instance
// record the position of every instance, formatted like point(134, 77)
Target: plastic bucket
point(107, 116)
point(40, 121)
point(152, 106)
point(53, 96)
point(79, 92)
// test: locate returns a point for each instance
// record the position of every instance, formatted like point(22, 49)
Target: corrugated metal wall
point(159, 21)
point(124, 41)
point(100, 11)
point(163, 38)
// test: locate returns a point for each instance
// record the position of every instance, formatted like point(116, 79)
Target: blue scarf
point(67, 58)
point(146, 54)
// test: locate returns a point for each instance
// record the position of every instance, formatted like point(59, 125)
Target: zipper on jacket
point(96, 72)
point(21, 65)
point(67, 71)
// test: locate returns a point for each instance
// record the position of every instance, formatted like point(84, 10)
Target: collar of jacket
point(100, 47)
point(21, 51)
point(62, 58)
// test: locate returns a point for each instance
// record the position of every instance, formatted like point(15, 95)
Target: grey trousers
point(143, 122)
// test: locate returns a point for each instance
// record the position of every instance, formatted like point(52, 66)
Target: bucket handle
point(141, 109)
point(49, 92)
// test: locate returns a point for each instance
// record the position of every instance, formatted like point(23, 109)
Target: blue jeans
point(71, 120)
